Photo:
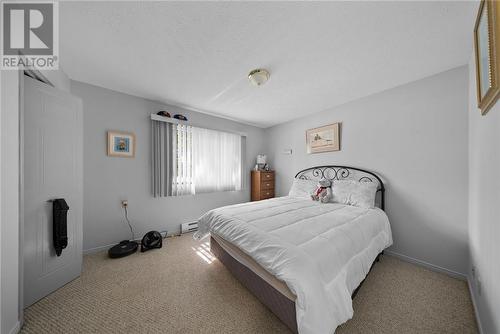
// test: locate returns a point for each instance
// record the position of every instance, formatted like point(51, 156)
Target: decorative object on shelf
point(323, 139)
point(262, 185)
point(259, 76)
point(486, 44)
point(121, 144)
point(267, 168)
point(163, 113)
point(180, 117)
point(261, 161)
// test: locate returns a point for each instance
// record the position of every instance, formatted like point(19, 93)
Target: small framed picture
point(121, 144)
point(323, 139)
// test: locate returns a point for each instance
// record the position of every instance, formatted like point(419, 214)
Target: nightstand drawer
point(266, 176)
point(264, 194)
point(267, 185)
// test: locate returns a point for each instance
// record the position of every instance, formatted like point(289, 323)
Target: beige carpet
point(180, 289)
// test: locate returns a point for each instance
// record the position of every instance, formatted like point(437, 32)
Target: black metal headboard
point(343, 173)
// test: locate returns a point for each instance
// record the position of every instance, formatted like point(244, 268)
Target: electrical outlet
point(124, 204)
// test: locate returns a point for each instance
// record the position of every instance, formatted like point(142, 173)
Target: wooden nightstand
point(262, 184)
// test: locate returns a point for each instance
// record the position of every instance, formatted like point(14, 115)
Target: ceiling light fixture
point(258, 76)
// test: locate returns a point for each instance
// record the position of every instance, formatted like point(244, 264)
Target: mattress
point(321, 251)
point(250, 263)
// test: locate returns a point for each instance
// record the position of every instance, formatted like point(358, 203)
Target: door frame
point(37, 75)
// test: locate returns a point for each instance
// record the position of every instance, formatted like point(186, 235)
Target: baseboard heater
point(189, 227)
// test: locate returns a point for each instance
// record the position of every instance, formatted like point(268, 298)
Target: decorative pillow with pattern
point(355, 193)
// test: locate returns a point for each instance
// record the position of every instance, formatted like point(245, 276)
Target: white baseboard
point(16, 328)
point(96, 249)
point(106, 247)
point(474, 304)
point(428, 265)
point(102, 248)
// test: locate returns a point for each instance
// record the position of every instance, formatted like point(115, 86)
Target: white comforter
point(321, 251)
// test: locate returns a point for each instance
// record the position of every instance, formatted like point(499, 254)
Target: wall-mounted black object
point(151, 240)
point(124, 248)
point(60, 224)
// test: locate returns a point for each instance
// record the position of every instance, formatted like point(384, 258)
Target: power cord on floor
point(125, 210)
point(129, 224)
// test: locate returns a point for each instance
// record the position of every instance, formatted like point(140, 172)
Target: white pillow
point(302, 188)
point(361, 194)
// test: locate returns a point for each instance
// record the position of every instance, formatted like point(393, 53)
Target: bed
point(303, 259)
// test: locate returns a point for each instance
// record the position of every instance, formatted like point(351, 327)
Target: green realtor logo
point(29, 35)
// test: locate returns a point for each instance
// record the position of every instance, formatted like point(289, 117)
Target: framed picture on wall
point(323, 139)
point(121, 144)
point(486, 44)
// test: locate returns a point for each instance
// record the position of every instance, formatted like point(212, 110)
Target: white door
point(52, 169)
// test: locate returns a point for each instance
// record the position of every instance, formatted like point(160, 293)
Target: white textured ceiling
point(320, 55)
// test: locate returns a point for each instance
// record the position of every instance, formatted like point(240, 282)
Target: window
point(195, 160)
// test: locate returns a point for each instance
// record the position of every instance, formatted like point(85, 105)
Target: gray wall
point(108, 180)
point(58, 78)
point(484, 208)
point(9, 202)
point(415, 137)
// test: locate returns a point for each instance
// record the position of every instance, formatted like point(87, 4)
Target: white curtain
point(189, 160)
point(216, 160)
point(182, 152)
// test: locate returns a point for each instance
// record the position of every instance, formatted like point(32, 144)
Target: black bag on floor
point(151, 240)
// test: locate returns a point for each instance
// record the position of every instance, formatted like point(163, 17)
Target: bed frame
point(280, 305)
point(333, 173)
